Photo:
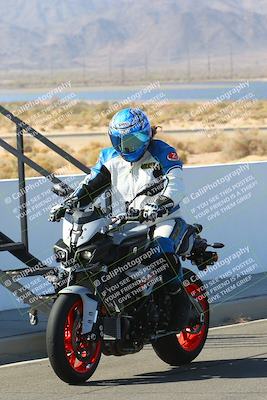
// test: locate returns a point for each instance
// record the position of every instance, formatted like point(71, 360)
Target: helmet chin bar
point(135, 156)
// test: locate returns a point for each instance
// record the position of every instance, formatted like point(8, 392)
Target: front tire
point(73, 358)
point(184, 347)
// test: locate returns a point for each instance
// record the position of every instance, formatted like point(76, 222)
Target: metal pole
point(44, 140)
point(22, 197)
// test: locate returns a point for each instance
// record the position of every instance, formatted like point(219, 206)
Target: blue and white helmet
point(130, 133)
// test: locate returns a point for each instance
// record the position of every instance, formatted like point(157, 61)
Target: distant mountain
point(71, 33)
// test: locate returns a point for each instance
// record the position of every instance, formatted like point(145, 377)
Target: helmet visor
point(129, 143)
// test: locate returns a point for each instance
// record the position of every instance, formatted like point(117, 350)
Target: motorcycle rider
point(134, 161)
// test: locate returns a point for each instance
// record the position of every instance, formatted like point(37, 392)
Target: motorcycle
point(115, 299)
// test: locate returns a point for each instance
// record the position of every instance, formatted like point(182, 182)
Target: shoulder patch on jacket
point(173, 156)
point(165, 155)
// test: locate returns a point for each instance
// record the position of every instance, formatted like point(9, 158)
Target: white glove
point(120, 217)
point(150, 212)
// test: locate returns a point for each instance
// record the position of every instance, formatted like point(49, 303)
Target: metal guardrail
point(21, 249)
point(18, 152)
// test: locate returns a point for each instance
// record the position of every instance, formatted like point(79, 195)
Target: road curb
point(22, 347)
point(247, 309)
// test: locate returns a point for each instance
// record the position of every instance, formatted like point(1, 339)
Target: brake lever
point(71, 203)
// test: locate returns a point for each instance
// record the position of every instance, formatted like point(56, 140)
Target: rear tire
point(184, 347)
point(64, 342)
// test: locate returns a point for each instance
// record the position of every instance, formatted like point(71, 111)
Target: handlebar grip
point(137, 218)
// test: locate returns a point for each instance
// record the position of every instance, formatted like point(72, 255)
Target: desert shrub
point(258, 145)
point(178, 145)
point(236, 148)
point(205, 144)
point(87, 115)
point(183, 155)
point(245, 144)
point(196, 144)
point(89, 154)
point(8, 166)
point(93, 115)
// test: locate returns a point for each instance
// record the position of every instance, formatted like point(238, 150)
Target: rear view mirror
point(217, 245)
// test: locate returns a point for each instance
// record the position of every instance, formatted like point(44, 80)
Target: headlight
point(86, 255)
point(60, 255)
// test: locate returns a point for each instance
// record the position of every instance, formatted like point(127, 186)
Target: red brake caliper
point(81, 353)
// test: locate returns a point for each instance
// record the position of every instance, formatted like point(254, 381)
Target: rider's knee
point(184, 237)
point(173, 271)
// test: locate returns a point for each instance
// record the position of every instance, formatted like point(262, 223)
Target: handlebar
point(134, 216)
point(69, 204)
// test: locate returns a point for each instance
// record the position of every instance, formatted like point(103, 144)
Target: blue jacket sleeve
point(95, 183)
point(172, 169)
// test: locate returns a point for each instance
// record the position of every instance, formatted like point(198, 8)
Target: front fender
point(90, 311)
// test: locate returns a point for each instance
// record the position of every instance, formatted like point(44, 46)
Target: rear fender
point(90, 311)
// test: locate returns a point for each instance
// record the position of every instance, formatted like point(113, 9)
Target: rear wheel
point(73, 358)
point(184, 347)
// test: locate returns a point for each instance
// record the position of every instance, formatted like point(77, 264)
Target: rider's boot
point(179, 297)
point(180, 309)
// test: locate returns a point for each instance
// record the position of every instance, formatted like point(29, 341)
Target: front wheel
point(73, 358)
point(184, 347)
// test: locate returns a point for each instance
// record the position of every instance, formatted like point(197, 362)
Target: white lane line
point(24, 362)
point(238, 324)
point(211, 329)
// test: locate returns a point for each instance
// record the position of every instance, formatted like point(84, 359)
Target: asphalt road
point(233, 365)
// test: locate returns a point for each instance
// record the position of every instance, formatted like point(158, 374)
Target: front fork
point(201, 317)
point(90, 305)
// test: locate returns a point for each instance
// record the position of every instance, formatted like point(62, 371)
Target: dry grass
point(85, 116)
point(245, 144)
point(226, 147)
point(198, 148)
point(196, 144)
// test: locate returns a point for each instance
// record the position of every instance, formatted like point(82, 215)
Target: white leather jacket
point(125, 179)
